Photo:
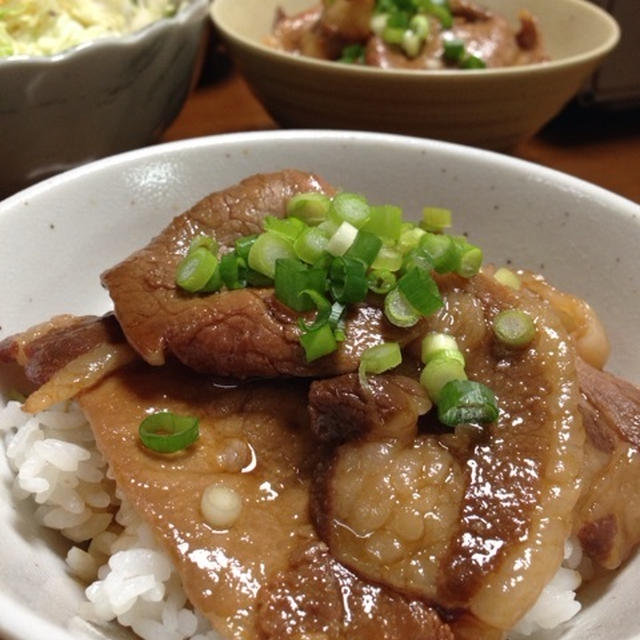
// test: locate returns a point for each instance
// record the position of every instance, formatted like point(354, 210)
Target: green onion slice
point(195, 269)
point(342, 239)
point(454, 49)
point(233, 271)
point(398, 310)
point(388, 258)
point(293, 278)
point(312, 208)
point(434, 343)
point(381, 280)
point(318, 342)
point(385, 221)
point(472, 62)
point(435, 219)
point(310, 245)
point(420, 290)
point(508, 278)
point(442, 251)
point(203, 240)
point(347, 280)
point(351, 208)
point(514, 328)
point(288, 228)
point(365, 247)
point(243, 245)
point(166, 432)
point(268, 248)
point(440, 370)
point(378, 359)
point(462, 401)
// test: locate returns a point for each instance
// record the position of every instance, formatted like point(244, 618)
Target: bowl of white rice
point(77, 561)
point(85, 79)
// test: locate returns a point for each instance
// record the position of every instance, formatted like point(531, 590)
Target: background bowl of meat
point(493, 108)
point(97, 98)
point(87, 220)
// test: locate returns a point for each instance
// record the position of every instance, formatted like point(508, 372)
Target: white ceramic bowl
point(492, 108)
point(60, 234)
point(96, 99)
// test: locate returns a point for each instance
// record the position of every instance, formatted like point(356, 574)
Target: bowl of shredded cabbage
point(83, 79)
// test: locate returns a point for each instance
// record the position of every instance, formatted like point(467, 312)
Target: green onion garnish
point(435, 219)
point(233, 271)
point(441, 250)
point(352, 54)
point(462, 401)
point(311, 244)
point(311, 208)
point(434, 343)
point(292, 278)
point(454, 49)
point(420, 290)
point(195, 269)
point(166, 432)
point(388, 258)
point(398, 310)
point(348, 280)
point(318, 342)
point(508, 278)
point(243, 245)
point(473, 62)
point(351, 208)
point(268, 248)
point(365, 247)
point(385, 221)
point(439, 370)
point(324, 308)
point(288, 228)
point(514, 328)
point(202, 240)
point(378, 359)
point(342, 239)
point(381, 280)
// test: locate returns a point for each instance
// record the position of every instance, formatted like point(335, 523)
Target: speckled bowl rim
point(194, 10)
point(433, 74)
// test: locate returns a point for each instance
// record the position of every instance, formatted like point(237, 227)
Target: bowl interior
point(96, 215)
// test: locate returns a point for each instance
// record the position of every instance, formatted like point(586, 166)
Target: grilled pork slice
point(243, 333)
point(472, 520)
point(607, 519)
point(267, 576)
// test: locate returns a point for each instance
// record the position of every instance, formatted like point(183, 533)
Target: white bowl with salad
point(83, 80)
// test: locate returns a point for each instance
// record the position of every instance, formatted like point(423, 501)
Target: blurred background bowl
point(493, 108)
point(96, 99)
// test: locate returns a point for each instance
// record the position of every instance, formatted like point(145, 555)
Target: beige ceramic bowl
point(493, 108)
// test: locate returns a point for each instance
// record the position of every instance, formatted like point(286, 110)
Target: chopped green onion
point(469, 257)
point(398, 310)
point(365, 247)
point(463, 401)
point(378, 23)
point(434, 342)
point(393, 35)
point(441, 10)
point(292, 278)
point(410, 238)
point(381, 280)
point(352, 54)
point(195, 269)
point(442, 251)
point(435, 219)
point(233, 271)
point(411, 43)
point(514, 328)
point(288, 228)
point(268, 248)
point(508, 278)
point(388, 259)
point(384, 221)
point(312, 208)
point(438, 371)
point(166, 432)
point(351, 208)
point(202, 240)
point(473, 62)
point(310, 245)
point(243, 245)
point(348, 280)
point(417, 258)
point(454, 49)
point(319, 342)
point(420, 290)
point(419, 24)
point(342, 239)
point(214, 283)
point(323, 307)
point(378, 359)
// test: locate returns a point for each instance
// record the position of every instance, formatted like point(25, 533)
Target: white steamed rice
point(130, 578)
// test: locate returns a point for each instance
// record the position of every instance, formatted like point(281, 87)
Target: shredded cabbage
point(46, 27)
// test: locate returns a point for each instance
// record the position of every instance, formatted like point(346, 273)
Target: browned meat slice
point(65, 355)
point(254, 440)
point(243, 333)
point(473, 520)
point(322, 600)
point(607, 519)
